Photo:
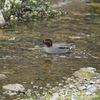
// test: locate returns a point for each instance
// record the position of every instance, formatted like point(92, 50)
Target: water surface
point(24, 61)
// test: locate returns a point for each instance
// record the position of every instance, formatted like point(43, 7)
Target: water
point(23, 60)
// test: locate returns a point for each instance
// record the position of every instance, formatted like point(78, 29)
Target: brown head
point(48, 42)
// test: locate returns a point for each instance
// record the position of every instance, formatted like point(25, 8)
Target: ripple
point(77, 57)
point(13, 38)
point(60, 4)
point(95, 57)
point(8, 57)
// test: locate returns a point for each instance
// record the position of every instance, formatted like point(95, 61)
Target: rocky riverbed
point(83, 84)
point(86, 85)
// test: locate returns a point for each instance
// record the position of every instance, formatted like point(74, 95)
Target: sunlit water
point(24, 61)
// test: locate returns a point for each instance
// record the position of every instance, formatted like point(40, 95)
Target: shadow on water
point(23, 60)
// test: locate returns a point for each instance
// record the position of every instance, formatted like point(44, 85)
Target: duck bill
point(41, 43)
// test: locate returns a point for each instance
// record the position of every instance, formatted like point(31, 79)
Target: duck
point(56, 48)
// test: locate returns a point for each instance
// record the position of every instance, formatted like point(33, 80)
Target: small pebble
point(64, 78)
point(60, 84)
point(48, 85)
point(92, 82)
point(35, 87)
point(39, 78)
point(71, 85)
point(31, 82)
point(29, 91)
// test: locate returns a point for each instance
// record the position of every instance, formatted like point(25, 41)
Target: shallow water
point(23, 60)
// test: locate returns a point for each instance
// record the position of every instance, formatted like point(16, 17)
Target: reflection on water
point(24, 61)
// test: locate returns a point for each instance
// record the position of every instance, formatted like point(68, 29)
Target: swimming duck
point(55, 48)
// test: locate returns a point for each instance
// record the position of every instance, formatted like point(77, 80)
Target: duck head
point(48, 42)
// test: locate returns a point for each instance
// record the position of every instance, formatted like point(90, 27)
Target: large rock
point(2, 20)
point(14, 87)
point(91, 88)
point(85, 73)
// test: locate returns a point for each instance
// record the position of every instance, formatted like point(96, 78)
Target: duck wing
point(62, 45)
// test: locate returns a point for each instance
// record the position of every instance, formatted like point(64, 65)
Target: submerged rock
point(39, 78)
point(48, 85)
point(85, 73)
point(14, 87)
point(64, 78)
point(2, 76)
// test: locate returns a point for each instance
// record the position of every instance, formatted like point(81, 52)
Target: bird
point(56, 48)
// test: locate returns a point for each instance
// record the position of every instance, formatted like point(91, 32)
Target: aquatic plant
point(28, 95)
point(28, 10)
